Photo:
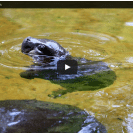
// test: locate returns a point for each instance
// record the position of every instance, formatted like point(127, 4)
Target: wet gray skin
point(46, 53)
point(47, 47)
point(43, 51)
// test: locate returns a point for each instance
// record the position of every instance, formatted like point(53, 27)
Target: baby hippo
point(46, 47)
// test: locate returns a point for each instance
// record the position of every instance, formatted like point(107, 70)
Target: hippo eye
point(28, 39)
point(41, 47)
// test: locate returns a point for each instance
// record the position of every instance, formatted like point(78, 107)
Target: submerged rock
point(31, 116)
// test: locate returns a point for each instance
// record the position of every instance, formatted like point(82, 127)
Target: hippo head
point(33, 46)
point(43, 50)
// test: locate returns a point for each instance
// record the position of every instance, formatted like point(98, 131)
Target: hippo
point(47, 47)
point(43, 51)
point(46, 53)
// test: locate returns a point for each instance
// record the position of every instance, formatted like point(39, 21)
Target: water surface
point(94, 34)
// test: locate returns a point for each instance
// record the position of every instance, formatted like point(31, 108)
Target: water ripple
point(11, 56)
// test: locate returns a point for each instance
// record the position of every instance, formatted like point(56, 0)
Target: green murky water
point(95, 34)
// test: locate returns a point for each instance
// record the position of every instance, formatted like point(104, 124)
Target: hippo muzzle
point(32, 46)
point(27, 46)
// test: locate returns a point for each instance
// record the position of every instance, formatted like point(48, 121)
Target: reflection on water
point(129, 23)
point(94, 34)
point(128, 123)
point(130, 60)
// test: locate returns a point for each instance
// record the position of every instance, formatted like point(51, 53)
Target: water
point(93, 34)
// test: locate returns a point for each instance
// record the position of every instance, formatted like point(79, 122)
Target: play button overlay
point(67, 66)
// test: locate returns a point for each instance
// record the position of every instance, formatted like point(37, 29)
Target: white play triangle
point(67, 67)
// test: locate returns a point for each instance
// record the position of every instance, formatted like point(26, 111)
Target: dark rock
point(31, 116)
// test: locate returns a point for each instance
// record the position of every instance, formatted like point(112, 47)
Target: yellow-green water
point(95, 34)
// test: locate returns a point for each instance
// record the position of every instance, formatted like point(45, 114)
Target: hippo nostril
point(27, 47)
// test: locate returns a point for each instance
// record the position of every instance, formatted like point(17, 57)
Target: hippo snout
point(27, 45)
